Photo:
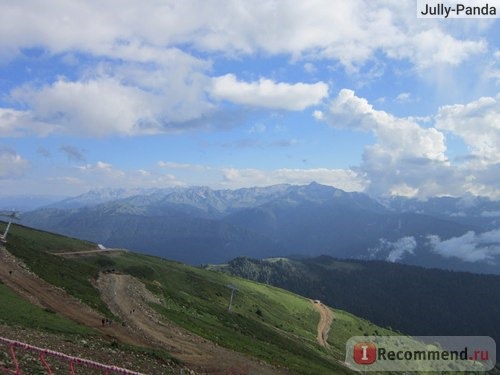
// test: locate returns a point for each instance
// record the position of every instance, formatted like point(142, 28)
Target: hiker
point(103, 321)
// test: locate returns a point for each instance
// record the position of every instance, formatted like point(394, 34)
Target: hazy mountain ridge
point(202, 225)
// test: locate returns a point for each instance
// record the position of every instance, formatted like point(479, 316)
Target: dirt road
point(92, 252)
point(324, 324)
point(15, 274)
point(128, 298)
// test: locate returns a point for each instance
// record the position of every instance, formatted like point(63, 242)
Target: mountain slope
point(166, 231)
point(414, 300)
point(266, 322)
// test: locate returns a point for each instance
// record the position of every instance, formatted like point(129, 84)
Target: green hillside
point(413, 300)
point(268, 323)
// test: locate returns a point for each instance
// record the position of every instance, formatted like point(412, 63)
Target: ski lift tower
point(233, 289)
point(12, 215)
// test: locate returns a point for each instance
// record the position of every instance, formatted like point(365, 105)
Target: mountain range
point(202, 225)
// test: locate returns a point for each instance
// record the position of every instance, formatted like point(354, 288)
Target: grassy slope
point(35, 248)
point(15, 310)
point(266, 322)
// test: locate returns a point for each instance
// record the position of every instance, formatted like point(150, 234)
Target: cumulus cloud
point(12, 165)
point(471, 247)
point(140, 81)
point(477, 123)
point(406, 158)
point(398, 136)
point(297, 28)
point(140, 90)
point(268, 94)
point(95, 107)
point(409, 155)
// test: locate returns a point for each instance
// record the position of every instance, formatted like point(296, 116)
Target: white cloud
point(174, 165)
point(318, 115)
point(104, 175)
point(17, 123)
point(351, 32)
point(127, 103)
point(477, 123)
point(394, 251)
point(471, 247)
point(400, 248)
point(102, 167)
point(268, 94)
point(430, 47)
point(407, 157)
point(403, 190)
point(96, 107)
point(347, 180)
point(140, 81)
point(12, 165)
point(410, 159)
point(398, 136)
point(404, 97)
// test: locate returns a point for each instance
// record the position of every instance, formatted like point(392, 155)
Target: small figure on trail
point(103, 321)
point(10, 272)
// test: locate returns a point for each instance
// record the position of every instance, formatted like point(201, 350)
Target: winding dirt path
point(128, 298)
point(324, 324)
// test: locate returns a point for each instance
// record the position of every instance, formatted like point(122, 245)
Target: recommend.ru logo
point(421, 353)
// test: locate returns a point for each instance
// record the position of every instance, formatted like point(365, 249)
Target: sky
point(360, 95)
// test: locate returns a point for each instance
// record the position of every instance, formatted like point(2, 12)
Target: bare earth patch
point(324, 324)
point(128, 298)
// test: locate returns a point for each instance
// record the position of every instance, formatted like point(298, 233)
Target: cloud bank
point(471, 247)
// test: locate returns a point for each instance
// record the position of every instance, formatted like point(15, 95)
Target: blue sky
point(361, 95)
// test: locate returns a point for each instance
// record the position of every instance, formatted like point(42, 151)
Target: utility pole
point(233, 289)
point(12, 216)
